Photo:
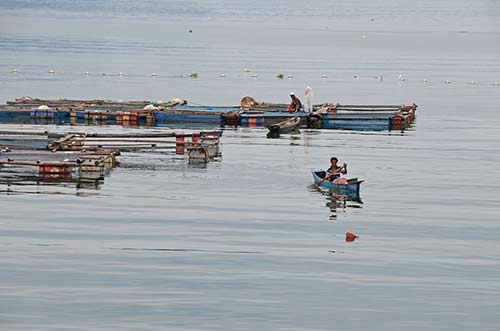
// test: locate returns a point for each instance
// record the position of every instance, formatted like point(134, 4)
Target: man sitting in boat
point(295, 105)
point(335, 170)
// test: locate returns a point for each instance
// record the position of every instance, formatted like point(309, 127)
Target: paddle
point(339, 172)
point(326, 176)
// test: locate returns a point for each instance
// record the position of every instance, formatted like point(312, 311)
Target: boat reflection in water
point(336, 202)
point(31, 183)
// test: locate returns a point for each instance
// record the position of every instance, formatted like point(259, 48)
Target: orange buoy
point(349, 237)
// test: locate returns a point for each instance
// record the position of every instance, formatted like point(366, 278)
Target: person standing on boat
point(295, 105)
point(335, 170)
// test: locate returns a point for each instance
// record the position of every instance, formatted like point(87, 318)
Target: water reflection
point(25, 183)
point(337, 203)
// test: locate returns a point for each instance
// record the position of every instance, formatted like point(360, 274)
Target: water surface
point(244, 242)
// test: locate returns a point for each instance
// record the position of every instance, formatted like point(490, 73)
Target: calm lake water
point(245, 242)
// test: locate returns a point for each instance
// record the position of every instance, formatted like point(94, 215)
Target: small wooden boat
point(350, 188)
point(288, 126)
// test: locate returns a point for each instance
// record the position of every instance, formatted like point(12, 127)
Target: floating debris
point(222, 75)
point(350, 237)
point(280, 76)
point(247, 70)
point(193, 75)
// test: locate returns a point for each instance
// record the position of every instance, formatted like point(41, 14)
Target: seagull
point(154, 74)
point(380, 77)
point(222, 75)
point(289, 76)
point(447, 81)
point(425, 80)
point(51, 71)
point(323, 76)
point(121, 74)
point(401, 78)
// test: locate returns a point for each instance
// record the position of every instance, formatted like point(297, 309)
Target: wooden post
point(179, 143)
point(196, 137)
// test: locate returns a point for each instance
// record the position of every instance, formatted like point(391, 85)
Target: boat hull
point(288, 126)
point(267, 118)
point(352, 189)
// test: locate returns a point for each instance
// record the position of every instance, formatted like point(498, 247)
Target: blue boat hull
point(34, 117)
point(351, 189)
point(192, 114)
point(357, 125)
point(169, 117)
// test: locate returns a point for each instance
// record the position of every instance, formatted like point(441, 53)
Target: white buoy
point(87, 73)
point(323, 76)
point(154, 74)
point(447, 81)
point(363, 36)
point(120, 74)
point(14, 70)
point(222, 75)
point(289, 76)
point(473, 83)
point(254, 75)
point(51, 71)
